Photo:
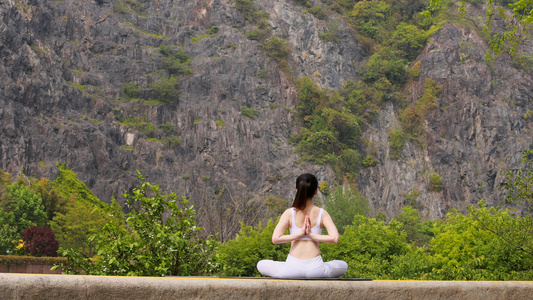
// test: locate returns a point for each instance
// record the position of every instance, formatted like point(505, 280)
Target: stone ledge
point(59, 287)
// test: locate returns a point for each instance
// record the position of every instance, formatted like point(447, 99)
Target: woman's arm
point(333, 234)
point(279, 235)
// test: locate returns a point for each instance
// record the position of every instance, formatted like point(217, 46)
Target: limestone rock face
point(64, 64)
point(478, 129)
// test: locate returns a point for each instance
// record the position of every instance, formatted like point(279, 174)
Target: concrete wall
point(59, 287)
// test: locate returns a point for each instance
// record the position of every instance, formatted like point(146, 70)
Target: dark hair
point(306, 185)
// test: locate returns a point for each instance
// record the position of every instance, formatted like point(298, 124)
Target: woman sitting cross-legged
point(305, 222)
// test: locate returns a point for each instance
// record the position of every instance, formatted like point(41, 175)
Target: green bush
point(131, 90)
point(350, 161)
point(396, 140)
point(167, 127)
point(276, 48)
point(370, 161)
point(435, 183)
point(318, 11)
point(175, 62)
point(161, 238)
point(332, 33)
point(166, 90)
point(249, 112)
point(239, 256)
point(256, 35)
point(344, 204)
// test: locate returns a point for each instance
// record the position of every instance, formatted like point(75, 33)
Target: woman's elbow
point(335, 240)
point(275, 240)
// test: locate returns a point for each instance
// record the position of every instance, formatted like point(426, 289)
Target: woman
point(305, 222)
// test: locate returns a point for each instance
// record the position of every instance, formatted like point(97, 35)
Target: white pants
point(302, 268)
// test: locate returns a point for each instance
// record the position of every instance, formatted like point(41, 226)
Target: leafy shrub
point(343, 204)
point(166, 90)
point(173, 141)
point(435, 183)
point(409, 39)
point(175, 62)
point(276, 48)
point(411, 121)
point(369, 161)
point(332, 33)
point(318, 11)
point(249, 112)
point(350, 161)
point(256, 35)
point(239, 256)
point(131, 90)
point(40, 241)
point(262, 73)
point(220, 123)
point(396, 140)
point(427, 102)
point(167, 127)
point(161, 239)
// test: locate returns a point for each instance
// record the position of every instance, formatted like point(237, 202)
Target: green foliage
point(427, 102)
point(131, 90)
point(161, 238)
point(167, 127)
point(435, 183)
point(513, 35)
point(257, 34)
point(370, 161)
point(220, 123)
point(127, 6)
point(368, 246)
point(9, 237)
point(519, 185)
point(409, 39)
point(250, 12)
point(262, 73)
point(68, 185)
point(53, 202)
point(396, 142)
point(412, 225)
point(344, 204)
point(166, 90)
point(175, 62)
point(319, 12)
point(350, 161)
point(74, 227)
point(249, 112)
point(276, 48)
point(332, 33)
point(22, 208)
point(239, 256)
point(463, 250)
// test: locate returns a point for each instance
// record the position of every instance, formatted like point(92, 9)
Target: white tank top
point(315, 229)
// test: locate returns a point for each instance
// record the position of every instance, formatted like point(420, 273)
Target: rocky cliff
point(64, 66)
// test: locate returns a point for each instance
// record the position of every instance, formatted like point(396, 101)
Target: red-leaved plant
point(40, 241)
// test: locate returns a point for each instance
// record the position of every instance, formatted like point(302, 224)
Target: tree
point(465, 250)
point(52, 200)
point(160, 238)
point(344, 204)
point(22, 208)
point(40, 241)
point(412, 225)
point(74, 226)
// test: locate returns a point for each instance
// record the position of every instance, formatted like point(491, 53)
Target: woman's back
point(305, 248)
